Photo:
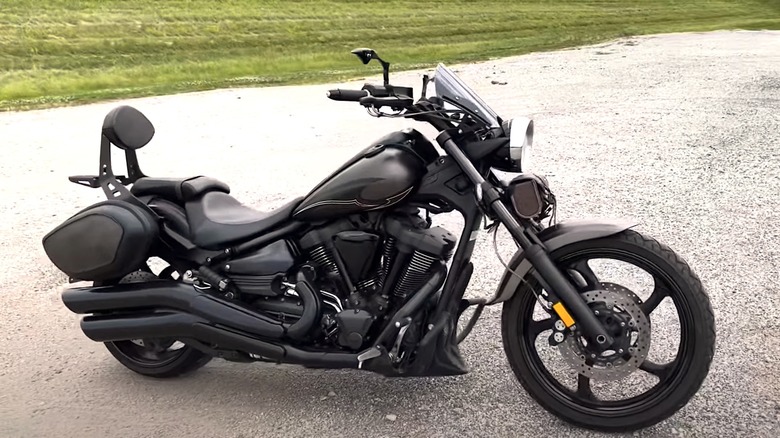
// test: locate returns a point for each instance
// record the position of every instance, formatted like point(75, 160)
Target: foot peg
point(369, 354)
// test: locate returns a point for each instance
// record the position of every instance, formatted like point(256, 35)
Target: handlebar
point(376, 97)
point(392, 102)
point(367, 99)
point(347, 95)
point(394, 97)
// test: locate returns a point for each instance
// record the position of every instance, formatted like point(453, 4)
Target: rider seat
point(217, 219)
point(179, 190)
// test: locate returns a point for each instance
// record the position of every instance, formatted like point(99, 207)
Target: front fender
point(555, 237)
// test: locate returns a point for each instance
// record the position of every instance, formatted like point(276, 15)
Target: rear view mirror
point(127, 128)
point(366, 55)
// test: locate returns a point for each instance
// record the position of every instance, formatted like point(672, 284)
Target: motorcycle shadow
point(275, 392)
point(289, 385)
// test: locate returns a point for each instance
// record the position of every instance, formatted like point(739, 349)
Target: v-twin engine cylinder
point(414, 250)
point(373, 267)
point(393, 259)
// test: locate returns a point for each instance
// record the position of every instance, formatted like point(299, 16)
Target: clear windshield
point(452, 89)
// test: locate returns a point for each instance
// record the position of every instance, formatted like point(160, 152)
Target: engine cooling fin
point(414, 274)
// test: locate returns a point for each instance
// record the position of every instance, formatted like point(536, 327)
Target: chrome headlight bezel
point(521, 141)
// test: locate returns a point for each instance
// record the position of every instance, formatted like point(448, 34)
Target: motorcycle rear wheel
point(160, 358)
point(155, 361)
point(678, 380)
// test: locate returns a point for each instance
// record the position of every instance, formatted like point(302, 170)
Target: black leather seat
point(217, 219)
point(179, 190)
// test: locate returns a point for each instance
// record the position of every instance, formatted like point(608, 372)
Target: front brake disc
point(611, 365)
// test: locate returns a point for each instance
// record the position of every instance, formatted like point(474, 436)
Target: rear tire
point(680, 380)
point(154, 357)
point(184, 361)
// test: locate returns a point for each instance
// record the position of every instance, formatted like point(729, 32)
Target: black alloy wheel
point(641, 386)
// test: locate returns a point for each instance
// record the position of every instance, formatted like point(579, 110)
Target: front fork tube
point(549, 276)
point(555, 282)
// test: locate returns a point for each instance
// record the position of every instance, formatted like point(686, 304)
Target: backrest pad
point(127, 128)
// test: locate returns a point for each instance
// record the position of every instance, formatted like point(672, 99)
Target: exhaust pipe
point(153, 325)
point(183, 326)
point(169, 296)
point(177, 310)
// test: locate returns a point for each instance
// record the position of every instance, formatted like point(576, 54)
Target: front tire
point(678, 380)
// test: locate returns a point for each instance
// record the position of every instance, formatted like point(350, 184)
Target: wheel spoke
point(583, 387)
point(591, 280)
point(660, 371)
point(537, 327)
point(659, 293)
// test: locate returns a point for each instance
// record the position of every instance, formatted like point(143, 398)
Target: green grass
point(56, 52)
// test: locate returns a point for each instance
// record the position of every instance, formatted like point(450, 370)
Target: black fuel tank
point(379, 176)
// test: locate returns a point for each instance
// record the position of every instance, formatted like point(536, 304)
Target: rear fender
point(555, 237)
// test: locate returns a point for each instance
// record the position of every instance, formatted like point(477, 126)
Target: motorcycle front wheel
point(644, 294)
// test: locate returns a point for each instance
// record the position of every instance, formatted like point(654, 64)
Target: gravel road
point(677, 131)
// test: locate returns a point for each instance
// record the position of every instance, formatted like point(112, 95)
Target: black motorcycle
point(354, 275)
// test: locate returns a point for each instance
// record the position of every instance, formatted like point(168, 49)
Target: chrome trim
point(337, 302)
point(521, 141)
point(389, 201)
point(368, 355)
point(394, 353)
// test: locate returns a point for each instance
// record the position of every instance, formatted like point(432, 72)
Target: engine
point(373, 268)
point(364, 267)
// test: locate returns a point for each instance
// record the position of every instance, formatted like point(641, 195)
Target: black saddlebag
point(102, 242)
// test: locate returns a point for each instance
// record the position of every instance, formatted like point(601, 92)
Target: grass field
point(55, 52)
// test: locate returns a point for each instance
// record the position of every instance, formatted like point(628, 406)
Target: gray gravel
point(677, 131)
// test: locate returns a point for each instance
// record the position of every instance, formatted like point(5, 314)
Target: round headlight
point(521, 140)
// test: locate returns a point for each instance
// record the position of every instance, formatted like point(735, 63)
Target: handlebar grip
point(393, 102)
point(347, 95)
